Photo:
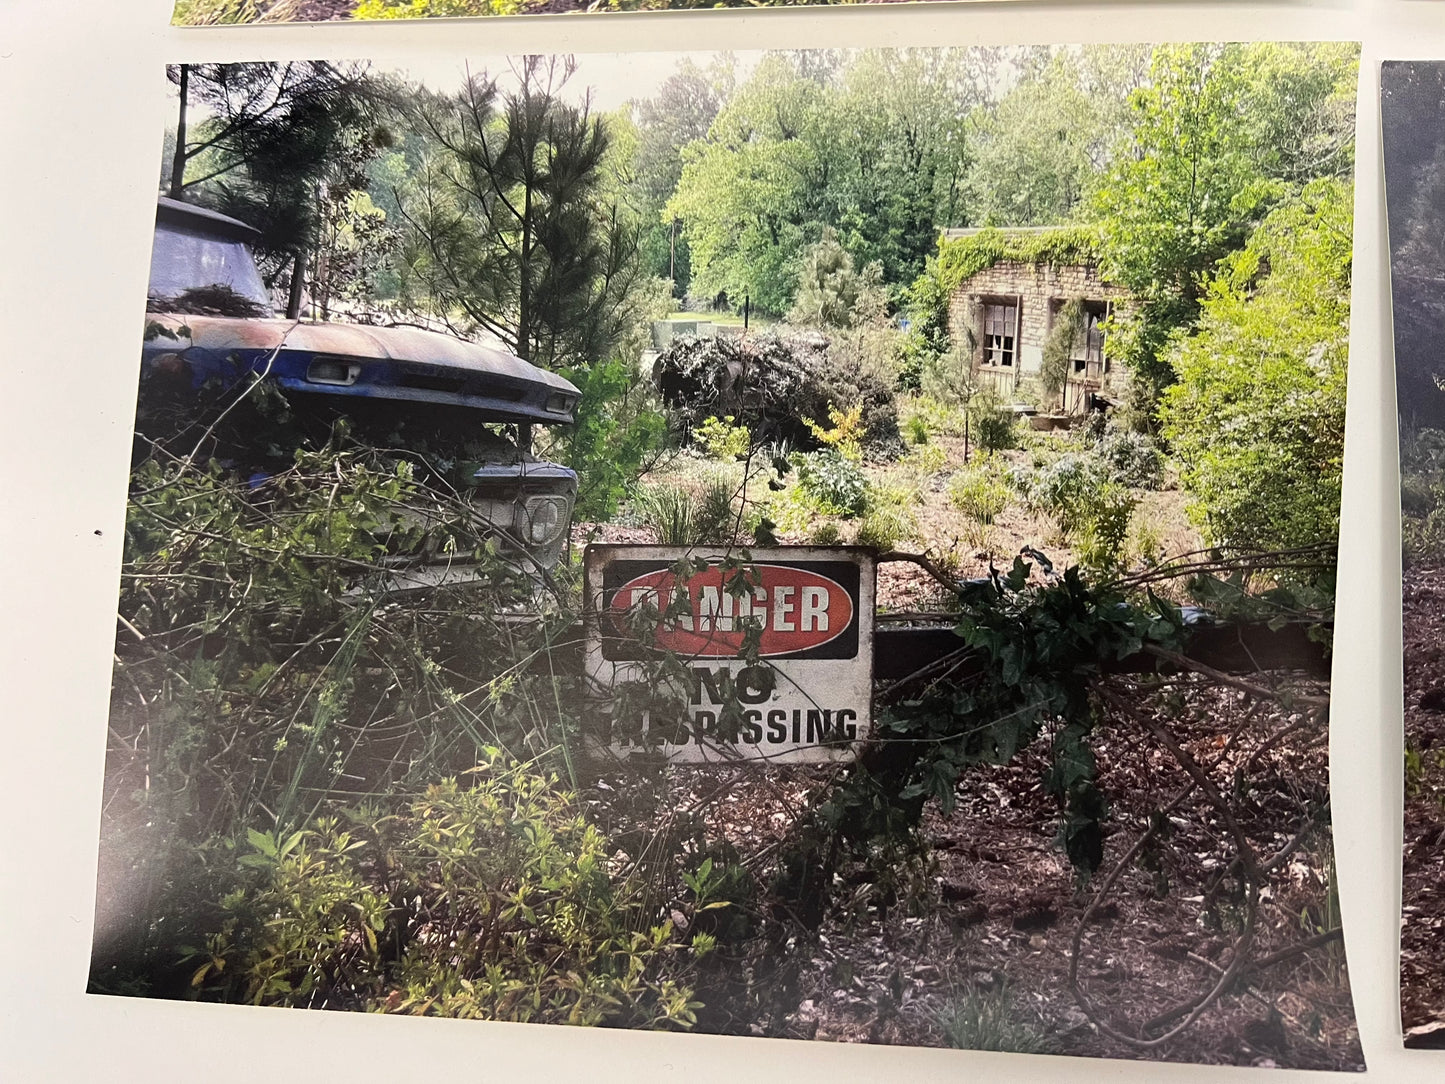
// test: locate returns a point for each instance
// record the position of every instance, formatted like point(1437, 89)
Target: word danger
point(710, 614)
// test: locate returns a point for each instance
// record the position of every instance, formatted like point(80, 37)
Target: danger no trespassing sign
point(705, 655)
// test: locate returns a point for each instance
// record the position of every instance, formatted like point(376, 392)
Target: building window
point(1000, 329)
point(1086, 354)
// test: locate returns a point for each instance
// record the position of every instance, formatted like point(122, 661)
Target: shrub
point(826, 534)
point(980, 491)
point(995, 426)
point(715, 520)
point(1067, 490)
point(1256, 418)
point(915, 429)
point(889, 517)
point(670, 512)
point(618, 430)
point(1105, 527)
point(723, 440)
point(491, 901)
point(988, 1020)
point(1132, 458)
point(834, 484)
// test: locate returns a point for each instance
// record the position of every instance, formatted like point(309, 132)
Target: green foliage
point(1131, 457)
point(831, 292)
point(1070, 490)
point(888, 517)
point(1256, 421)
point(777, 387)
point(1043, 646)
point(617, 433)
point(995, 426)
point(826, 533)
point(1058, 351)
point(538, 257)
point(721, 439)
point(682, 518)
point(422, 9)
point(490, 900)
point(270, 651)
point(834, 484)
point(982, 490)
point(670, 511)
point(990, 1020)
point(1220, 134)
point(964, 257)
point(1105, 527)
point(925, 303)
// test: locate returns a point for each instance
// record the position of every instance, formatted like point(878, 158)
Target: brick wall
point(1038, 286)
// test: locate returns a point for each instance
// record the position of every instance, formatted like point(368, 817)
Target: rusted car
point(212, 332)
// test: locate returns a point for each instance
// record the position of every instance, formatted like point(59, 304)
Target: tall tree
point(1221, 134)
point(1182, 193)
point(282, 146)
point(752, 194)
point(505, 224)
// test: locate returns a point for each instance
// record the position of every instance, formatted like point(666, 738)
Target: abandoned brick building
point(1007, 312)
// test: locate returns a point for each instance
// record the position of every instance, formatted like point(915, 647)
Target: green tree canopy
point(1256, 418)
point(504, 225)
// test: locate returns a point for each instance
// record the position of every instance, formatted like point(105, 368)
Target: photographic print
point(231, 12)
point(822, 545)
point(1412, 95)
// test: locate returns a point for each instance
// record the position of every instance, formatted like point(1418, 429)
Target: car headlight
point(545, 518)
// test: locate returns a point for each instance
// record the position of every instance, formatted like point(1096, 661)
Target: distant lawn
point(729, 318)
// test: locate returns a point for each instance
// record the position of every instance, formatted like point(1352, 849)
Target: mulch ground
point(987, 917)
point(1422, 928)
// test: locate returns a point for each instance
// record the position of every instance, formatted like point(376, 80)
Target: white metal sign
point(703, 655)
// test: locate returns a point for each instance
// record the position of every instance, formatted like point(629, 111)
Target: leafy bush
point(1133, 458)
point(723, 440)
point(915, 429)
point(617, 432)
point(1105, 527)
point(269, 651)
point(888, 518)
point(1256, 419)
point(995, 426)
point(981, 491)
point(1068, 491)
point(834, 484)
point(826, 534)
point(490, 901)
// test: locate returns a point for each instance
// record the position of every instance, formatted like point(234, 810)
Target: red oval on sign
point(794, 608)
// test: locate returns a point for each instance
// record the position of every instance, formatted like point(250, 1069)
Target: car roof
point(172, 212)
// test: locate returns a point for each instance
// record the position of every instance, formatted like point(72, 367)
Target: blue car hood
point(404, 364)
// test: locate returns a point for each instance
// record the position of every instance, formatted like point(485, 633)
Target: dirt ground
point(1422, 928)
point(981, 928)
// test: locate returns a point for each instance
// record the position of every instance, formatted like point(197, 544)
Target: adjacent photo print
point(1412, 100)
point(231, 12)
point(835, 546)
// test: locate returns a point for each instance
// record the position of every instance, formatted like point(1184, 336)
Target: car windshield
point(189, 268)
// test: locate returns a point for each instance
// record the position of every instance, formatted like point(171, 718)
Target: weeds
point(988, 1020)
